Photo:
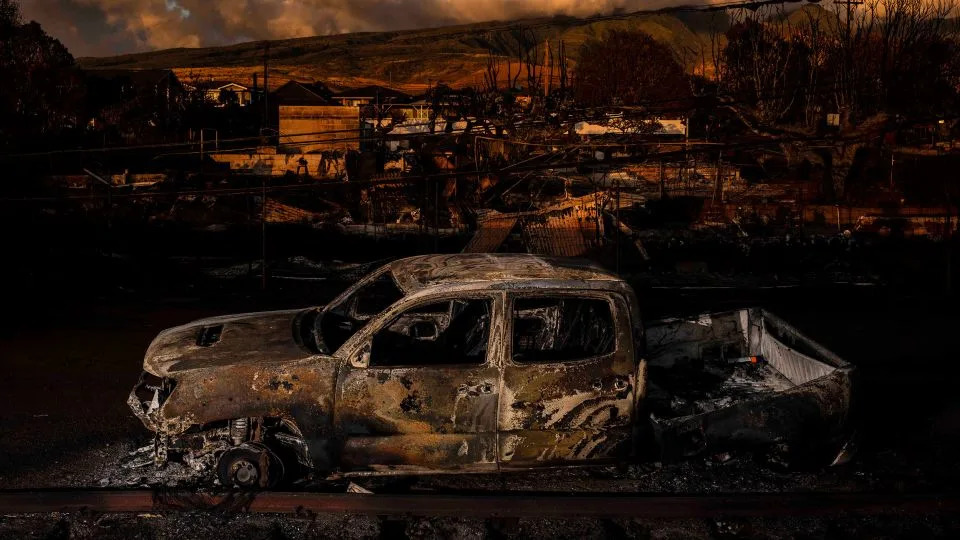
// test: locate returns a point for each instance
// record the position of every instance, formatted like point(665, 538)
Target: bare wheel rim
point(245, 473)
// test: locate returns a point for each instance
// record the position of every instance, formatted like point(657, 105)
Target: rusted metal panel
point(300, 391)
point(572, 411)
point(429, 417)
point(422, 415)
point(420, 453)
point(484, 271)
point(256, 338)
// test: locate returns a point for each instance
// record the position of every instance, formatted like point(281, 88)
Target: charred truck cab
point(480, 363)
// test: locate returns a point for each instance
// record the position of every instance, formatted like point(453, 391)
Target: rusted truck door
point(421, 392)
point(568, 380)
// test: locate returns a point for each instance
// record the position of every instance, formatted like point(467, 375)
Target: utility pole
point(424, 222)
point(109, 185)
point(948, 239)
point(617, 232)
point(948, 236)
point(893, 161)
point(216, 143)
point(849, 4)
point(663, 181)
point(263, 233)
point(718, 180)
point(266, 84)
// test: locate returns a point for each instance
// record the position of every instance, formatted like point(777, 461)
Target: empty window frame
point(561, 329)
point(441, 333)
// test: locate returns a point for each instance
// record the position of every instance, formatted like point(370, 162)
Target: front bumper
point(147, 398)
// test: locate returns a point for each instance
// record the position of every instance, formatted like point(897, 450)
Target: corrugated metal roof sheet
point(567, 229)
point(565, 233)
point(490, 235)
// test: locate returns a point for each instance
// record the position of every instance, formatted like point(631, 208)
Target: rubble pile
point(137, 468)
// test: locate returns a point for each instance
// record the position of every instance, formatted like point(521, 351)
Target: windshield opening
point(347, 317)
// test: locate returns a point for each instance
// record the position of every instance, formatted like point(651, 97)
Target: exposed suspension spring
point(239, 428)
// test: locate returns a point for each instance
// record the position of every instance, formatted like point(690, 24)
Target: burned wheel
point(250, 466)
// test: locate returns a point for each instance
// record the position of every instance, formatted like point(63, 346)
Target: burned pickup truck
point(483, 363)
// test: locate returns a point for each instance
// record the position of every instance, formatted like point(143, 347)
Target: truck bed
point(745, 376)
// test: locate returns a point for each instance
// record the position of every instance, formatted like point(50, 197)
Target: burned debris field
point(683, 272)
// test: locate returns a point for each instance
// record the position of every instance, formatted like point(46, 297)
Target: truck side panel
point(569, 412)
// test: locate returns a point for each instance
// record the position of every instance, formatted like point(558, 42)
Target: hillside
point(412, 59)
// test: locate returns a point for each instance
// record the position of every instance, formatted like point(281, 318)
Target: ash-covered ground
point(222, 526)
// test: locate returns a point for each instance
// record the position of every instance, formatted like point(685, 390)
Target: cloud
point(104, 27)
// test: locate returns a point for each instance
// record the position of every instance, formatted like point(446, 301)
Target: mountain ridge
point(411, 59)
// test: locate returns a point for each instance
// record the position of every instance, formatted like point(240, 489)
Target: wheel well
point(286, 438)
point(281, 434)
point(290, 426)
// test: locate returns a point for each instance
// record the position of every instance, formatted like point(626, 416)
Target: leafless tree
point(864, 61)
point(882, 48)
point(761, 65)
point(491, 76)
point(815, 41)
point(531, 58)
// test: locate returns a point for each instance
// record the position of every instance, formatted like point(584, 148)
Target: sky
point(110, 27)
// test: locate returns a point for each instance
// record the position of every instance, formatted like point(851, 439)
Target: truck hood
point(267, 338)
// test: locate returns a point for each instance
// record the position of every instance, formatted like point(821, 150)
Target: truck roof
point(415, 273)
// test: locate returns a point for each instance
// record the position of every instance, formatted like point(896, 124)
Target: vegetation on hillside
point(455, 55)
